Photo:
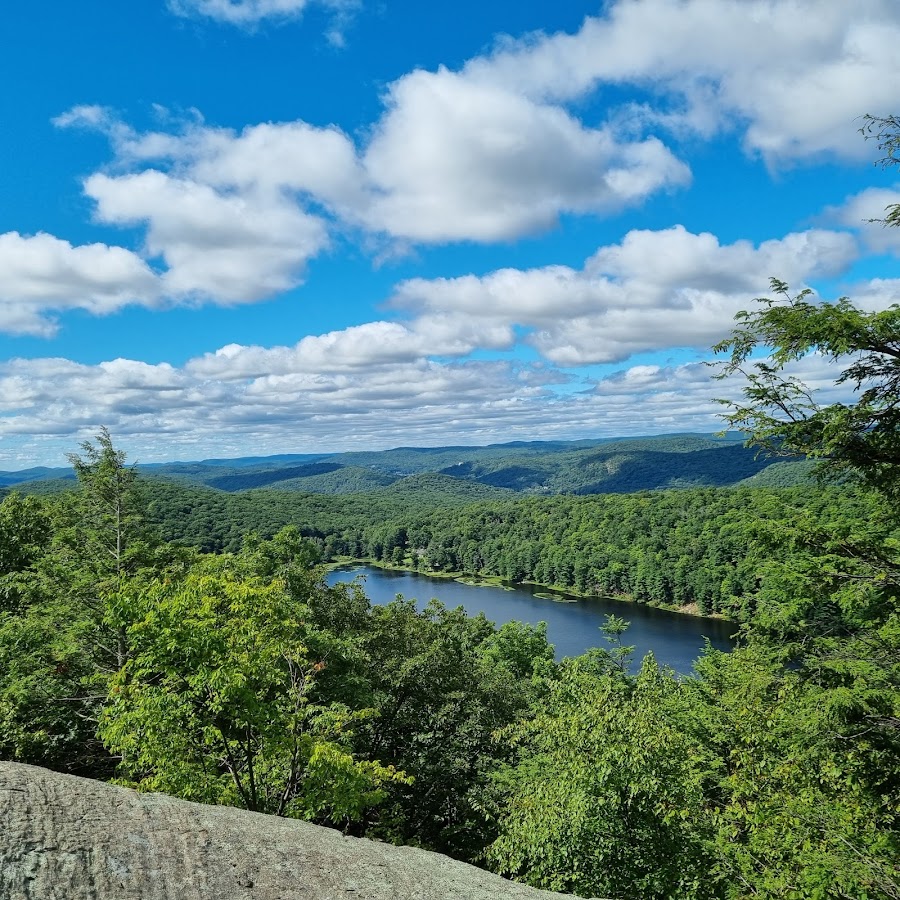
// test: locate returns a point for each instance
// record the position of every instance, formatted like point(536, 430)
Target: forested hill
point(701, 548)
point(539, 467)
point(217, 520)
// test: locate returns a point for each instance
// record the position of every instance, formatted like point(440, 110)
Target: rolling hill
point(535, 467)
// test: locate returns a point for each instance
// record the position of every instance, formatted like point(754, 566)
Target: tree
point(108, 508)
point(24, 535)
point(216, 702)
point(100, 542)
point(827, 613)
point(885, 131)
point(442, 683)
point(49, 692)
point(829, 616)
point(781, 414)
point(606, 797)
point(65, 631)
point(795, 806)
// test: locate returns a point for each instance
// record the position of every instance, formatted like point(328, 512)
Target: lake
point(675, 639)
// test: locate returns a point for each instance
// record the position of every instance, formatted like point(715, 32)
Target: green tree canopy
point(828, 615)
point(781, 413)
point(216, 702)
point(606, 797)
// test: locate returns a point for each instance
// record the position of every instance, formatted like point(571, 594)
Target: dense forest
point(704, 548)
point(182, 639)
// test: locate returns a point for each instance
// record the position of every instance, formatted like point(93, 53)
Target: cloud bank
point(160, 412)
point(652, 291)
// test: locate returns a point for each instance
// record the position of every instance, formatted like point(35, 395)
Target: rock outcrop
point(67, 838)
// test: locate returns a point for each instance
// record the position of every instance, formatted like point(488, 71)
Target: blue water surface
point(676, 639)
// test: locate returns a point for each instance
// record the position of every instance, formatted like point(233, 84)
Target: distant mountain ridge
point(607, 465)
point(37, 473)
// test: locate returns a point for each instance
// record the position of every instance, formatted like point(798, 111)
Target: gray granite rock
point(67, 838)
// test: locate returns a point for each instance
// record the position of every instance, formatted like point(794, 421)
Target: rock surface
point(67, 838)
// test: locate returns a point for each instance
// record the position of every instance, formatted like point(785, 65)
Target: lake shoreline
point(573, 626)
point(569, 595)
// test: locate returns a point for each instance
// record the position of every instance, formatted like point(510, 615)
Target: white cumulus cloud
point(41, 275)
point(653, 290)
point(360, 348)
point(505, 146)
point(219, 246)
point(862, 212)
point(792, 77)
point(454, 159)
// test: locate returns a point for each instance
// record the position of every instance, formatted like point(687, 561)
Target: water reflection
point(573, 627)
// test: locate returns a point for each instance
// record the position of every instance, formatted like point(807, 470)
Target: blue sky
point(234, 227)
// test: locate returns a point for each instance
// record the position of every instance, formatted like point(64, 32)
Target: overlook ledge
point(69, 838)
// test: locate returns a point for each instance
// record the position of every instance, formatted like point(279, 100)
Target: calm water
point(674, 638)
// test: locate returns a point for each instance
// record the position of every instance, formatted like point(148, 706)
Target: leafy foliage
point(214, 703)
point(780, 412)
point(444, 683)
point(885, 131)
point(738, 782)
point(798, 806)
point(25, 532)
point(606, 798)
point(828, 614)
